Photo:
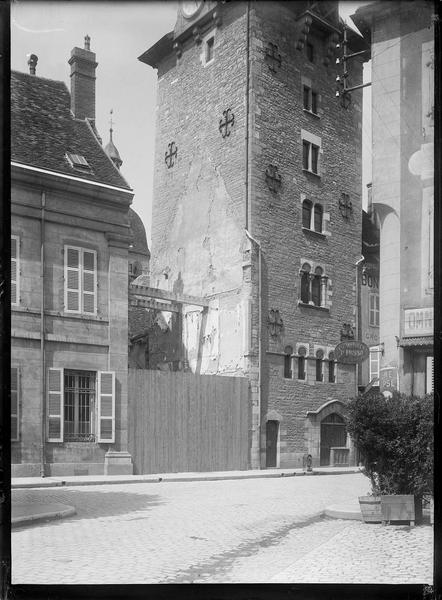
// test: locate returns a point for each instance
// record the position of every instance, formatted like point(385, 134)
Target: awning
point(421, 341)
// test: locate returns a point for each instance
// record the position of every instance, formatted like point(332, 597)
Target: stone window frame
point(330, 352)
point(299, 356)
point(205, 43)
point(324, 285)
point(307, 85)
point(325, 231)
point(310, 141)
point(288, 362)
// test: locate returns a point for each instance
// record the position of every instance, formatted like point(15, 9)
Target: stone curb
point(171, 478)
point(57, 512)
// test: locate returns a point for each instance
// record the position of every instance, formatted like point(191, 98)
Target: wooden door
point(271, 443)
point(333, 433)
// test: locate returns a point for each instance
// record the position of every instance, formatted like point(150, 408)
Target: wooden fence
point(182, 422)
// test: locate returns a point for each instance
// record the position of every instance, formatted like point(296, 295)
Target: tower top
point(110, 147)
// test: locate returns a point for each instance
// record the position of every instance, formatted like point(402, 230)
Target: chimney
point(83, 67)
point(32, 62)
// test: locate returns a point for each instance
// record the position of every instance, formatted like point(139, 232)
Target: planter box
point(370, 509)
point(398, 508)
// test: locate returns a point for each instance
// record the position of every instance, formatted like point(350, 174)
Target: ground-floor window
point(79, 403)
point(80, 406)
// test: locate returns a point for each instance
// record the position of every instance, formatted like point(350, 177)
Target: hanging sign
point(352, 352)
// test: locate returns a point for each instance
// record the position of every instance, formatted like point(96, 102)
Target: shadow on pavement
point(91, 504)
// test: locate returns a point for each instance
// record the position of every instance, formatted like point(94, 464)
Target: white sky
point(119, 32)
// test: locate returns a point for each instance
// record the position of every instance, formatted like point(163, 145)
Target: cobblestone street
point(261, 530)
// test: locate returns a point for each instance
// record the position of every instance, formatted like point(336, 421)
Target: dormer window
point(78, 161)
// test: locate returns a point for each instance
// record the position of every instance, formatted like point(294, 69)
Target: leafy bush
point(395, 438)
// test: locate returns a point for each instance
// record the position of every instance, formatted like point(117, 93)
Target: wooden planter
point(370, 509)
point(398, 508)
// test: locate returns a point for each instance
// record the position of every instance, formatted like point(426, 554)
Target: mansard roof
point(44, 132)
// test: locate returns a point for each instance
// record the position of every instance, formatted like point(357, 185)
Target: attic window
point(78, 161)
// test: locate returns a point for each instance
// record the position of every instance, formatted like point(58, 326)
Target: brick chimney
point(83, 67)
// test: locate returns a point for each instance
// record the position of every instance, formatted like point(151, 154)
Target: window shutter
point(430, 375)
point(55, 405)
point(72, 279)
point(14, 270)
point(106, 407)
point(15, 420)
point(89, 282)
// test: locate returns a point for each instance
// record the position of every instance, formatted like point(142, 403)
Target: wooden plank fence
point(181, 422)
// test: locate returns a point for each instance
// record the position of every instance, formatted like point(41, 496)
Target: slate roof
point(43, 130)
point(139, 243)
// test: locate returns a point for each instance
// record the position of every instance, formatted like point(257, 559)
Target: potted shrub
point(395, 439)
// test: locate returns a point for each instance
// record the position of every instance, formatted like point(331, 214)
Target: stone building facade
point(401, 35)
point(254, 154)
point(69, 268)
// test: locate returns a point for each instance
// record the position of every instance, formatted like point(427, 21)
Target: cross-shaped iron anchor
point(345, 205)
point(272, 57)
point(273, 178)
point(169, 158)
point(229, 119)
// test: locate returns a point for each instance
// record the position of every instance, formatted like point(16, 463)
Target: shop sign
point(352, 352)
point(388, 379)
point(418, 321)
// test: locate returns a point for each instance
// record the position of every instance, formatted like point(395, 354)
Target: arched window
point(307, 214)
point(331, 368)
point(302, 352)
point(305, 283)
point(319, 359)
point(288, 351)
point(318, 218)
point(316, 286)
point(313, 286)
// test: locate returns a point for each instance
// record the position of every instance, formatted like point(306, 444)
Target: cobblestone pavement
point(215, 531)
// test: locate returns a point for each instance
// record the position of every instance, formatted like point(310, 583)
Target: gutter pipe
point(42, 337)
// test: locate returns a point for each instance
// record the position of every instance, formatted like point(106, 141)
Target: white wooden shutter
point(430, 375)
point(15, 266)
point(15, 406)
point(106, 407)
point(55, 406)
point(89, 284)
point(72, 279)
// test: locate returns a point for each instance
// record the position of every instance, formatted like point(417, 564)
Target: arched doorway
point(333, 433)
point(272, 429)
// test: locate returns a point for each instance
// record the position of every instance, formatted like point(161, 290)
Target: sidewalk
point(23, 514)
point(38, 482)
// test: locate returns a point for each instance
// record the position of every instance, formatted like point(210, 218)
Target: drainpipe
point(259, 343)
point(358, 316)
point(42, 338)
point(247, 139)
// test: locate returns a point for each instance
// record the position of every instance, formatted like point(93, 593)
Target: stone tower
point(257, 207)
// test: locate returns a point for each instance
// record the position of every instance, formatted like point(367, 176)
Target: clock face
point(190, 7)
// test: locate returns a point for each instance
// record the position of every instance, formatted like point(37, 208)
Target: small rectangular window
point(306, 98)
point(310, 52)
point(310, 157)
point(305, 154)
point(78, 161)
point(287, 366)
point(210, 49)
point(314, 107)
point(315, 155)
